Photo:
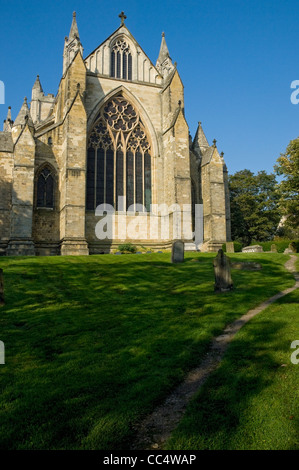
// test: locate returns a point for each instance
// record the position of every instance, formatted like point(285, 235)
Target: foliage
point(94, 343)
point(127, 248)
point(280, 244)
point(254, 206)
point(288, 167)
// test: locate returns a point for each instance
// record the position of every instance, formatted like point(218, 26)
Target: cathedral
point(113, 140)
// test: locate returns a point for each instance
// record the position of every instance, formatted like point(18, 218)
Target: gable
point(143, 70)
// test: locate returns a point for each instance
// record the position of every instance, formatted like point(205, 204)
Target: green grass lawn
point(252, 400)
point(95, 343)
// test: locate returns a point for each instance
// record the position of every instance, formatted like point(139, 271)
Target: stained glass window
point(121, 60)
point(118, 158)
point(45, 189)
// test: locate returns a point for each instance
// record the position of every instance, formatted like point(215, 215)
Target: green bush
point(280, 244)
point(127, 248)
point(237, 247)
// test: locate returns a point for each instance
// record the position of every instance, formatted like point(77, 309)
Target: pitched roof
point(24, 115)
point(200, 142)
point(207, 156)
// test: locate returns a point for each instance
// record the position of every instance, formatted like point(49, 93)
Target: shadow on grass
point(247, 402)
point(94, 343)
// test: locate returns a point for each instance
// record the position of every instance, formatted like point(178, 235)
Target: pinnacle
point(74, 33)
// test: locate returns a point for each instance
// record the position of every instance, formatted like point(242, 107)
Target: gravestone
point(1, 288)
point(177, 253)
point(230, 247)
point(290, 249)
point(222, 272)
point(253, 249)
point(273, 248)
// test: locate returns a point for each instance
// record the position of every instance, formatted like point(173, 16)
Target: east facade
point(109, 159)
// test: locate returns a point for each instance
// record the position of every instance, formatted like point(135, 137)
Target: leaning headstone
point(273, 248)
point(1, 288)
point(253, 249)
point(230, 247)
point(177, 253)
point(222, 271)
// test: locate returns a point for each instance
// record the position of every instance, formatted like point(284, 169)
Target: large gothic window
point(45, 188)
point(118, 158)
point(121, 60)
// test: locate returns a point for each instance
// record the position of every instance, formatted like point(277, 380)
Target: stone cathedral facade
point(115, 135)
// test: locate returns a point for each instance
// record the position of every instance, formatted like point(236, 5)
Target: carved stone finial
point(163, 35)
point(74, 14)
point(214, 142)
point(122, 17)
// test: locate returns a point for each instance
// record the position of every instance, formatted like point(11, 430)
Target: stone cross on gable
point(123, 17)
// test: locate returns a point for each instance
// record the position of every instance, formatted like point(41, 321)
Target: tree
point(288, 167)
point(254, 206)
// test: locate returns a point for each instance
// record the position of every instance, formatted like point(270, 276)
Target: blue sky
point(236, 58)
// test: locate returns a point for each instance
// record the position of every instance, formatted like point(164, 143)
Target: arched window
point(45, 188)
point(118, 158)
point(121, 60)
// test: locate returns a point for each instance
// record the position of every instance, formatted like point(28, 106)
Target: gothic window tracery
point(118, 158)
point(121, 60)
point(45, 188)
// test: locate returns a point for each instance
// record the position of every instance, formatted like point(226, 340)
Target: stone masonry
point(45, 154)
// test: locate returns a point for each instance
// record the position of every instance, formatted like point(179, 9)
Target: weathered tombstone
point(222, 271)
point(253, 249)
point(273, 248)
point(177, 253)
point(1, 288)
point(230, 247)
point(292, 247)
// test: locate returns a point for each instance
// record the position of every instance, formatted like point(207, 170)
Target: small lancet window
point(121, 60)
point(45, 189)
